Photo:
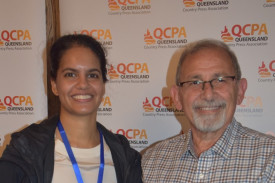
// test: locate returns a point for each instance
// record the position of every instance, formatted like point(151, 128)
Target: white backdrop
point(143, 39)
point(22, 70)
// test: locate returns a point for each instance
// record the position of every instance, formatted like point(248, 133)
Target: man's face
point(208, 109)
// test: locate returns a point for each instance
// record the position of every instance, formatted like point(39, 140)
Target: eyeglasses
point(216, 83)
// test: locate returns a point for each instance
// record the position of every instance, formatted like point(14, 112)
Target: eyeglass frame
point(180, 84)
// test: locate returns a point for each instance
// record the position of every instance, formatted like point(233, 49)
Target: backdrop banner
point(144, 39)
point(22, 51)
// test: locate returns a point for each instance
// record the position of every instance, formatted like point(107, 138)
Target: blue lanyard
point(73, 160)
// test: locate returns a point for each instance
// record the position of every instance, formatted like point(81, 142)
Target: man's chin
point(208, 123)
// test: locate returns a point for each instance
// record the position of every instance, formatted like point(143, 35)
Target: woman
point(72, 147)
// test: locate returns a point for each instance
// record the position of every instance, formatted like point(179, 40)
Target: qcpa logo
point(126, 7)
point(105, 108)
point(129, 73)
point(267, 71)
point(251, 106)
point(167, 37)
point(269, 4)
point(160, 106)
point(245, 35)
point(15, 40)
point(104, 36)
point(16, 105)
point(204, 5)
point(137, 138)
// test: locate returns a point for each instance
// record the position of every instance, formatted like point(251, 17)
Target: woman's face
point(79, 82)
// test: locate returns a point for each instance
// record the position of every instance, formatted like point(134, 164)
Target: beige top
point(88, 161)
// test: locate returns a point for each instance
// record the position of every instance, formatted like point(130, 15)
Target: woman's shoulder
point(45, 126)
point(33, 139)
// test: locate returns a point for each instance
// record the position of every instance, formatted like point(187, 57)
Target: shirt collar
point(222, 147)
point(188, 148)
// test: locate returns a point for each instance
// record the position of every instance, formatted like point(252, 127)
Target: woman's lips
point(82, 97)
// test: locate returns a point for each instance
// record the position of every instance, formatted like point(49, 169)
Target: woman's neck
point(81, 131)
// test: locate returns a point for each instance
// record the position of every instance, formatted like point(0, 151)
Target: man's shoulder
point(247, 132)
point(251, 137)
point(171, 141)
point(170, 145)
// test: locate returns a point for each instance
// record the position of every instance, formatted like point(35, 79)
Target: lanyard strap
point(73, 160)
point(102, 163)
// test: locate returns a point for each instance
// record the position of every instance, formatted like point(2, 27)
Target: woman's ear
point(54, 88)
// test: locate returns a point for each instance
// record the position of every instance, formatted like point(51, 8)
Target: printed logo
point(226, 36)
point(147, 106)
point(113, 5)
point(263, 71)
point(112, 73)
point(160, 106)
point(104, 36)
point(269, 4)
point(204, 5)
point(148, 39)
point(267, 72)
point(137, 138)
point(167, 37)
point(2, 107)
point(105, 108)
point(245, 35)
point(15, 40)
point(189, 3)
point(16, 105)
point(251, 106)
point(129, 7)
point(128, 73)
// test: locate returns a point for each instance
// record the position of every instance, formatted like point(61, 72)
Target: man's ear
point(242, 86)
point(54, 89)
point(174, 92)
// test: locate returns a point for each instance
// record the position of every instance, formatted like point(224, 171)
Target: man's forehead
point(213, 62)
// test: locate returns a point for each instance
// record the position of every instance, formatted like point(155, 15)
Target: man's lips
point(212, 107)
point(208, 108)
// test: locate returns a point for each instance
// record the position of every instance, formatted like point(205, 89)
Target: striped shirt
point(240, 155)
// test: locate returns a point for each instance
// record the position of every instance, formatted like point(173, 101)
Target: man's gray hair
point(194, 47)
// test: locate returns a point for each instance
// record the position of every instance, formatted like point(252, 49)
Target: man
point(217, 148)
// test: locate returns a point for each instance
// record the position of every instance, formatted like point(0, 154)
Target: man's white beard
point(209, 122)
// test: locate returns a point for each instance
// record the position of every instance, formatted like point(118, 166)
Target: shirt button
point(201, 176)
